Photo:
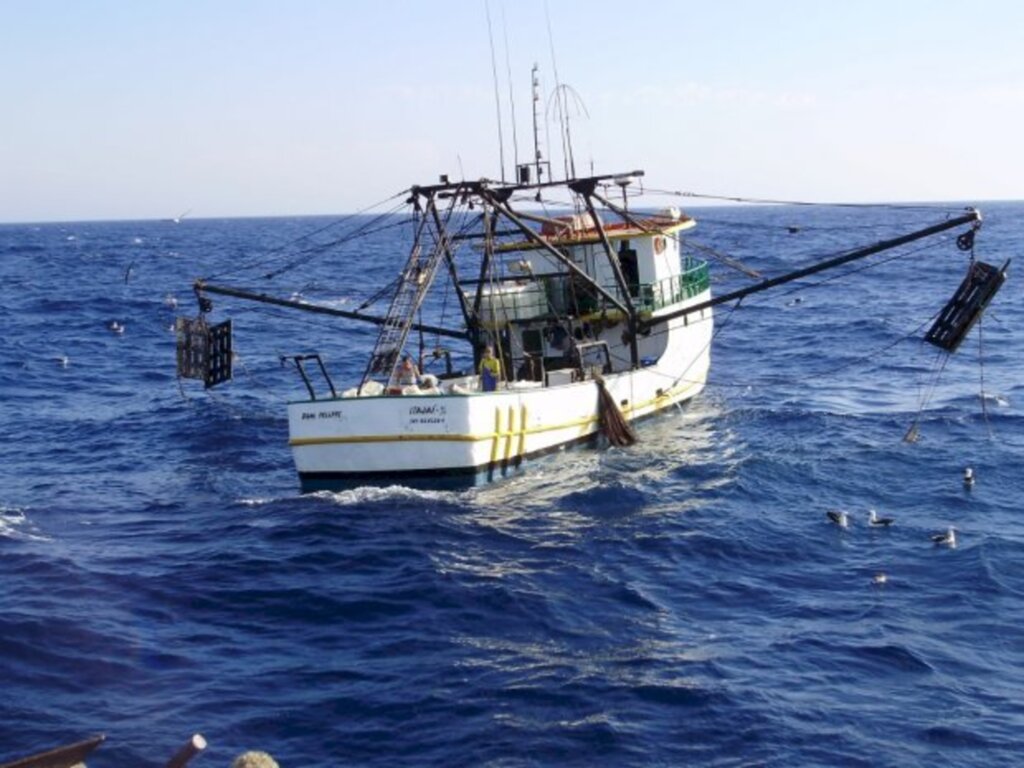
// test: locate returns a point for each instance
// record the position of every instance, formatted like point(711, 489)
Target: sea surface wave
point(681, 602)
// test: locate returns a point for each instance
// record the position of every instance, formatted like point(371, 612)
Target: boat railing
point(648, 297)
point(299, 360)
point(676, 288)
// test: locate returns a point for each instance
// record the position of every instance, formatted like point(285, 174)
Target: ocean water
point(681, 602)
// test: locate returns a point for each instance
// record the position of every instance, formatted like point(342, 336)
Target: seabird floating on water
point(947, 539)
point(879, 522)
point(968, 477)
point(839, 517)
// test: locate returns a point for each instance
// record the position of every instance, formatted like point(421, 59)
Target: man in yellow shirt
point(490, 370)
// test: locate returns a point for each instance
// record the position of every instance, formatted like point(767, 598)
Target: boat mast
point(536, 130)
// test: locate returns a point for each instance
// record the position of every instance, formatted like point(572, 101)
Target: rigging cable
point(938, 366)
point(808, 203)
point(562, 112)
point(497, 97)
point(278, 249)
point(981, 369)
point(361, 231)
point(511, 97)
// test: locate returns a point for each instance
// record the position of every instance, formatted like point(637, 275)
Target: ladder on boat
point(413, 284)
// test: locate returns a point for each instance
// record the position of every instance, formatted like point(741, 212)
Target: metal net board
point(204, 351)
point(963, 310)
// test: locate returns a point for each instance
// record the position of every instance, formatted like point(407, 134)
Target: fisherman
point(557, 337)
point(407, 374)
point(490, 370)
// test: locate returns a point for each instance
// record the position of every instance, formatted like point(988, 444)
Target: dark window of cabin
point(533, 343)
point(628, 265)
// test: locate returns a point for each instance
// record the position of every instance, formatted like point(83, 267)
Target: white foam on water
point(372, 494)
point(999, 400)
point(15, 524)
point(257, 502)
point(356, 496)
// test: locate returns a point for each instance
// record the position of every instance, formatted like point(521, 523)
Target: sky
point(134, 110)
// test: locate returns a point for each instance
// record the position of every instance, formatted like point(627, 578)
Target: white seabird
point(947, 539)
point(839, 517)
point(879, 522)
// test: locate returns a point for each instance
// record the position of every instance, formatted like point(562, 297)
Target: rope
point(497, 98)
point(613, 423)
point(722, 258)
point(981, 369)
point(343, 220)
point(807, 203)
point(362, 231)
point(914, 432)
point(748, 225)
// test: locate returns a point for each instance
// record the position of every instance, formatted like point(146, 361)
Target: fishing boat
point(576, 325)
point(571, 318)
point(580, 312)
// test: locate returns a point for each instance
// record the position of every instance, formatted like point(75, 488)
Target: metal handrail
point(299, 360)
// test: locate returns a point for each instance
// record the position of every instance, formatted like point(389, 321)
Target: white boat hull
point(461, 439)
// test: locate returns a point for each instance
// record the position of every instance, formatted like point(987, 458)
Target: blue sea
point(684, 601)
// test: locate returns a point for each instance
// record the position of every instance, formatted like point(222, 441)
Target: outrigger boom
point(201, 286)
point(971, 217)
